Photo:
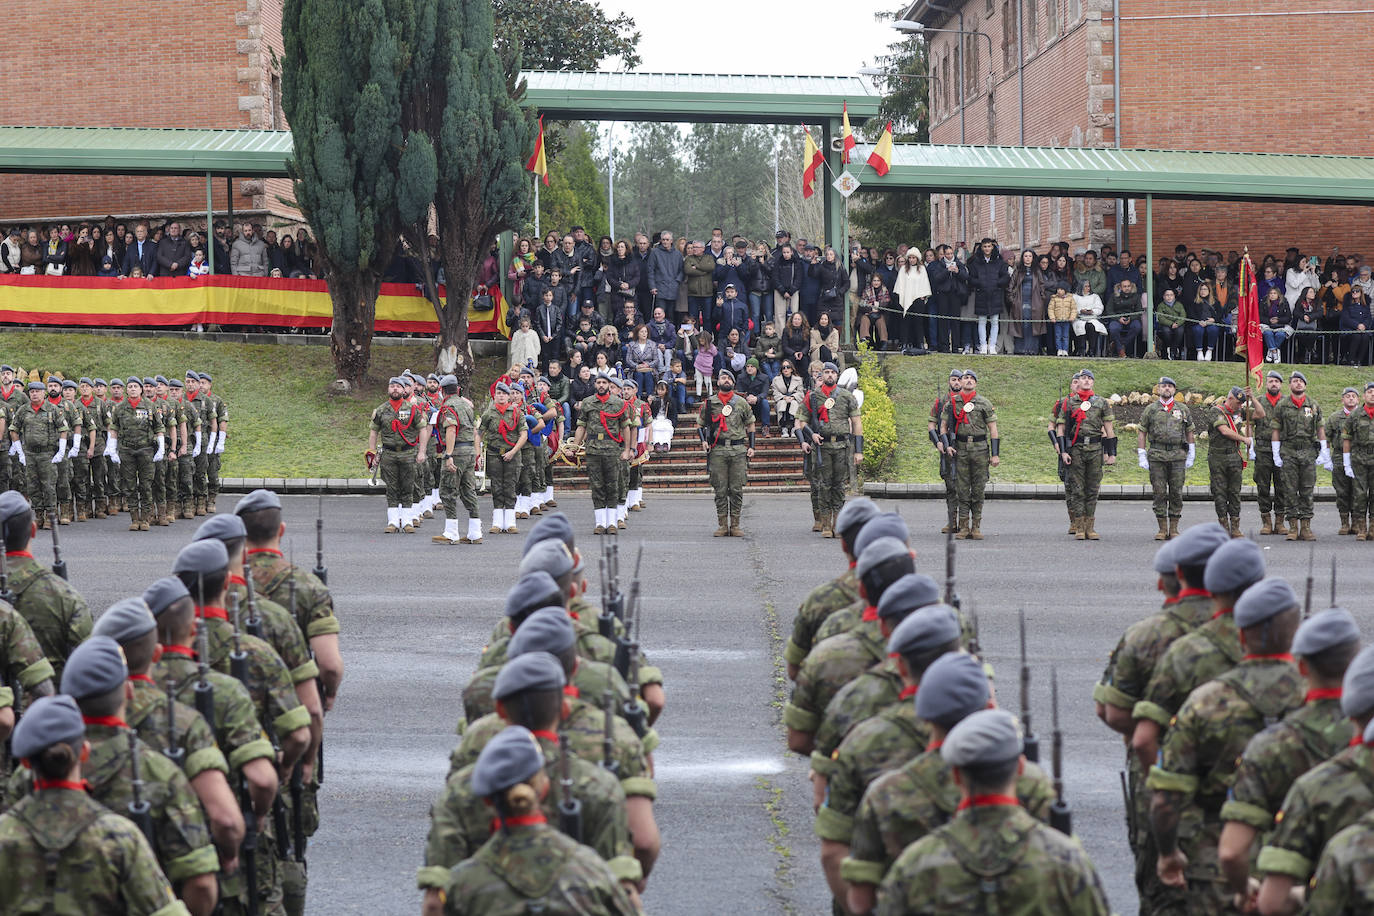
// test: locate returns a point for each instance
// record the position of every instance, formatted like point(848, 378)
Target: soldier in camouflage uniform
point(88, 480)
point(827, 419)
point(12, 397)
point(993, 851)
point(68, 510)
point(969, 427)
point(1167, 428)
point(1357, 445)
point(22, 665)
point(1268, 477)
point(218, 414)
point(887, 524)
point(1297, 430)
point(1343, 882)
point(199, 454)
point(395, 427)
point(63, 466)
point(629, 392)
point(38, 438)
point(458, 471)
point(176, 444)
point(825, 599)
point(907, 803)
point(527, 865)
point(1060, 409)
point(1316, 731)
point(1198, 760)
point(114, 483)
point(1226, 453)
point(726, 430)
point(603, 427)
point(106, 862)
point(1087, 441)
point(1324, 800)
point(1342, 483)
point(135, 428)
point(188, 420)
point(153, 391)
point(937, 412)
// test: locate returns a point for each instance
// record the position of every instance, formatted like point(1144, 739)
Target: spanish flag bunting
point(881, 157)
point(538, 164)
point(812, 159)
point(848, 135)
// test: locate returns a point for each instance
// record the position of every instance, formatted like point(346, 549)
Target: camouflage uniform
point(1267, 476)
point(278, 629)
point(272, 574)
point(461, 483)
point(969, 428)
point(1225, 465)
point(1297, 427)
point(907, 803)
point(22, 660)
point(218, 413)
point(842, 621)
point(1323, 801)
point(1192, 660)
point(591, 645)
point(460, 822)
point(1083, 426)
point(1061, 409)
point(727, 427)
point(937, 411)
point(87, 480)
point(1344, 882)
point(65, 490)
point(830, 421)
point(41, 432)
point(114, 484)
point(200, 463)
point(1343, 485)
point(832, 664)
point(987, 856)
point(269, 681)
point(592, 679)
point(136, 429)
point(163, 420)
point(1358, 434)
point(530, 868)
point(605, 425)
point(398, 434)
point(11, 473)
point(1197, 764)
point(862, 698)
point(56, 611)
point(823, 601)
point(237, 732)
point(873, 747)
point(147, 715)
point(104, 864)
point(1166, 434)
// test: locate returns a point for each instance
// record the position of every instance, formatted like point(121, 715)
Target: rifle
point(951, 597)
point(319, 682)
point(569, 807)
point(254, 625)
point(205, 691)
point(631, 711)
point(59, 565)
point(1130, 806)
point(623, 651)
point(139, 809)
point(173, 753)
point(238, 659)
point(1055, 442)
point(298, 840)
point(936, 438)
point(1333, 581)
point(1061, 818)
point(1307, 599)
point(1032, 743)
point(320, 570)
point(608, 761)
point(605, 622)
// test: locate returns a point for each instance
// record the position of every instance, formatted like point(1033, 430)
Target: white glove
point(1192, 455)
point(1345, 460)
point(57, 457)
point(1144, 462)
point(114, 456)
point(1252, 451)
point(1324, 457)
point(1278, 462)
point(196, 452)
point(161, 448)
point(76, 446)
point(219, 446)
point(19, 454)
point(15, 447)
point(110, 450)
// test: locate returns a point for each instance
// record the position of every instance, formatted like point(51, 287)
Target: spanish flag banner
point(881, 157)
point(537, 163)
point(848, 136)
point(812, 159)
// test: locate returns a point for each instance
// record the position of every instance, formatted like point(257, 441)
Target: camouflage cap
point(258, 500)
point(512, 757)
point(1234, 566)
point(910, 592)
point(548, 629)
point(986, 736)
point(125, 621)
point(94, 667)
point(1265, 599)
point(953, 687)
point(1357, 687)
point(552, 556)
point(924, 629)
point(222, 526)
point(48, 720)
point(1325, 630)
point(202, 557)
point(880, 551)
point(532, 591)
point(530, 671)
point(12, 503)
point(855, 512)
point(1195, 545)
point(163, 593)
point(883, 525)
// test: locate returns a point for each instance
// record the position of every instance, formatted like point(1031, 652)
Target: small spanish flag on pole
point(538, 164)
point(812, 159)
point(881, 157)
point(848, 136)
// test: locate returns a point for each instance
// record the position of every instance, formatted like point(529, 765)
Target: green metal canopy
point(1124, 173)
point(144, 151)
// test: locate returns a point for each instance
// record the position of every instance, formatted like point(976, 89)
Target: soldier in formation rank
point(1167, 429)
point(969, 430)
point(726, 429)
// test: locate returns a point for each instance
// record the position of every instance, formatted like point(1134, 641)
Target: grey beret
point(956, 373)
point(969, 373)
point(526, 370)
point(159, 380)
point(135, 380)
point(257, 501)
point(12, 503)
point(448, 380)
point(1349, 390)
point(6, 368)
point(1368, 385)
point(726, 372)
point(1274, 373)
point(1233, 566)
point(221, 526)
point(546, 630)
point(1086, 373)
point(125, 621)
point(94, 667)
point(532, 591)
point(530, 671)
point(552, 556)
point(397, 380)
point(829, 366)
point(884, 525)
point(48, 720)
point(191, 373)
point(175, 383)
point(855, 512)
point(1165, 380)
point(912, 591)
point(1197, 543)
point(554, 526)
point(512, 757)
point(1237, 392)
point(1296, 374)
point(85, 380)
point(1325, 630)
point(986, 736)
point(202, 557)
point(205, 377)
point(116, 382)
point(924, 629)
point(148, 381)
point(163, 593)
point(1357, 688)
point(68, 383)
point(100, 381)
point(1164, 558)
point(36, 386)
point(954, 687)
point(880, 551)
point(53, 380)
point(1266, 598)
point(503, 387)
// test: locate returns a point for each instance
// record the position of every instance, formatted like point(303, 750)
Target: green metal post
point(210, 221)
point(1149, 329)
point(834, 231)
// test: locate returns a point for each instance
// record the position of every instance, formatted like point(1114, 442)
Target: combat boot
point(722, 527)
point(143, 520)
point(1088, 532)
point(1074, 522)
point(1266, 523)
point(1163, 533)
point(200, 505)
point(974, 534)
point(817, 525)
point(43, 523)
point(159, 516)
point(188, 508)
point(827, 525)
point(735, 531)
point(1306, 533)
point(64, 517)
point(133, 519)
point(1281, 528)
point(1345, 524)
point(210, 505)
point(1235, 527)
point(961, 528)
point(102, 508)
point(1173, 527)
point(1292, 530)
point(947, 529)
point(81, 514)
point(1359, 528)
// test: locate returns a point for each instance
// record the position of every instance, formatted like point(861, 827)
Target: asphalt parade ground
point(734, 806)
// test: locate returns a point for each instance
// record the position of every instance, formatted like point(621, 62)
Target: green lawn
point(282, 422)
point(1024, 389)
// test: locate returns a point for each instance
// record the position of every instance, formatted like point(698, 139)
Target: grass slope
point(281, 421)
point(1024, 389)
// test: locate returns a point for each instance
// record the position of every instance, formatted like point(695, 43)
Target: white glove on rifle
point(15, 447)
point(1324, 456)
point(18, 451)
point(1278, 462)
point(1345, 460)
point(112, 450)
point(60, 454)
point(1144, 462)
point(1252, 451)
point(1192, 455)
point(196, 452)
point(76, 446)
point(219, 446)
point(161, 448)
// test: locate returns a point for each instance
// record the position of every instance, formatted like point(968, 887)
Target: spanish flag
point(881, 157)
point(538, 164)
point(812, 159)
point(848, 135)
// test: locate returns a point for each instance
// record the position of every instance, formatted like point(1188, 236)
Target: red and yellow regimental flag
point(881, 157)
point(848, 136)
point(812, 159)
point(1249, 339)
point(537, 163)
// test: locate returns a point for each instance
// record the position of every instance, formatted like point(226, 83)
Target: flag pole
point(536, 206)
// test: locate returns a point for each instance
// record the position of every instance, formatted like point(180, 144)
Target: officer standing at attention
point(1268, 478)
point(134, 428)
point(727, 436)
point(937, 412)
point(827, 418)
point(396, 425)
point(103, 862)
point(457, 469)
point(1297, 431)
point(969, 427)
point(39, 440)
point(503, 431)
point(1167, 427)
point(218, 413)
point(1340, 481)
point(1060, 409)
point(1226, 457)
point(1087, 441)
point(199, 454)
point(1357, 444)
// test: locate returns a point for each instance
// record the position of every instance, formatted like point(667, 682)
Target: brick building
point(1260, 76)
point(208, 64)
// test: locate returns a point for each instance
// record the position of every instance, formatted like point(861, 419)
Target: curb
point(1055, 491)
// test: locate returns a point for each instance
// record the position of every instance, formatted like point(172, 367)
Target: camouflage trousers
point(1225, 478)
point(212, 476)
point(88, 476)
point(1344, 487)
point(186, 477)
point(811, 469)
point(136, 470)
point(834, 463)
point(728, 468)
point(504, 477)
point(1267, 478)
point(5, 473)
point(202, 466)
point(636, 476)
point(1299, 479)
point(459, 484)
point(398, 473)
point(539, 462)
point(64, 483)
point(1362, 486)
point(1166, 482)
point(1083, 479)
point(973, 478)
point(603, 476)
point(525, 486)
point(41, 476)
point(622, 482)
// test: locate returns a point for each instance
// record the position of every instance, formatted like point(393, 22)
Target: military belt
point(842, 437)
point(397, 448)
point(971, 438)
point(1089, 440)
point(732, 442)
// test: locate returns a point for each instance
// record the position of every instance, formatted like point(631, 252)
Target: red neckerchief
point(1167, 405)
point(545, 734)
point(618, 414)
point(55, 401)
point(908, 692)
point(40, 784)
point(133, 402)
point(36, 407)
point(183, 651)
point(1273, 399)
point(19, 553)
point(396, 426)
point(1193, 592)
point(989, 801)
point(144, 678)
point(524, 820)
point(272, 550)
point(1277, 657)
point(1222, 612)
point(823, 412)
point(1080, 413)
point(111, 721)
point(86, 402)
point(853, 563)
point(571, 691)
point(501, 426)
point(961, 416)
point(1298, 401)
point(191, 396)
point(1356, 741)
point(1369, 410)
point(935, 745)
point(1322, 693)
point(1169, 601)
point(7, 390)
point(870, 613)
point(211, 613)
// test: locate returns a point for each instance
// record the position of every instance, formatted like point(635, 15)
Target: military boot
point(948, 528)
point(1074, 522)
point(188, 508)
point(722, 527)
point(1266, 523)
point(143, 519)
point(102, 507)
point(737, 532)
point(1306, 533)
point(1089, 532)
point(159, 515)
point(1163, 533)
point(200, 505)
point(1173, 527)
point(962, 527)
point(1345, 524)
point(827, 524)
point(1280, 527)
point(64, 516)
point(43, 523)
point(81, 514)
point(974, 532)
point(1235, 527)
point(817, 524)
point(133, 520)
point(1292, 530)
point(1358, 529)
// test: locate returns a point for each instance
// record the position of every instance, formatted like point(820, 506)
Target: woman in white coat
point(1087, 327)
point(912, 294)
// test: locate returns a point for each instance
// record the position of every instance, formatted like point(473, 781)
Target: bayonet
point(254, 626)
point(1307, 594)
point(951, 598)
point(1333, 580)
point(1032, 743)
point(321, 571)
point(605, 623)
point(174, 753)
point(139, 809)
point(238, 659)
point(569, 807)
point(1061, 818)
point(608, 761)
point(59, 565)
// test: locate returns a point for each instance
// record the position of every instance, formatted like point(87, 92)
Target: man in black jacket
point(949, 284)
point(141, 254)
point(173, 253)
point(988, 274)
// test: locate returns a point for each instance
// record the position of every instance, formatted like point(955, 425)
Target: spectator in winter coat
point(732, 313)
point(1093, 273)
point(988, 277)
point(621, 272)
point(1307, 318)
point(809, 295)
point(524, 345)
point(949, 291)
point(248, 255)
point(699, 269)
point(1170, 325)
point(532, 285)
point(563, 293)
point(643, 359)
point(1356, 318)
point(753, 387)
point(787, 394)
point(55, 253)
point(626, 322)
point(1276, 321)
point(734, 267)
point(1123, 319)
point(662, 333)
point(825, 341)
point(833, 281)
point(787, 274)
point(549, 319)
point(9, 251)
point(665, 273)
point(760, 286)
